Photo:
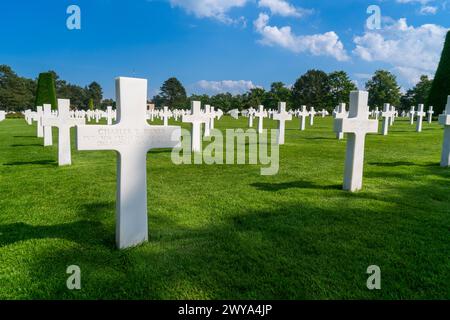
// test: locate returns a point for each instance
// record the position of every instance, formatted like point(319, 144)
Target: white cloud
point(231, 86)
point(422, 2)
point(326, 44)
point(425, 8)
point(428, 10)
point(283, 8)
point(410, 51)
point(216, 9)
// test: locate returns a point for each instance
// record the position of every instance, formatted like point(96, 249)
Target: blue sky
point(221, 45)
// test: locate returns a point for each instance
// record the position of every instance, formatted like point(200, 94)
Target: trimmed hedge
point(440, 88)
point(46, 92)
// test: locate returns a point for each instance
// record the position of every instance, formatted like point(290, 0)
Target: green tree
point(204, 99)
point(383, 88)
point(340, 88)
point(222, 101)
point(418, 94)
point(94, 91)
point(46, 91)
point(173, 94)
point(107, 102)
point(440, 88)
point(278, 93)
point(312, 89)
point(254, 98)
point(16, 93)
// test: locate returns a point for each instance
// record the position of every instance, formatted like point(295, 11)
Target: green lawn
point(225, 231)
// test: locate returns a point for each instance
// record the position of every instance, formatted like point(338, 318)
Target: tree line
point(19, 93)
point(315, 89)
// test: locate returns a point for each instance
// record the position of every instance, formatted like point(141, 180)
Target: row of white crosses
point(132, 137)
point(63, 119)
point(421, 113)
point(388, 115)
point(196, 117)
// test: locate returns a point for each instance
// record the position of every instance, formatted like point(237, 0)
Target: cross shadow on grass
point(27, 145)
point(402, 163)
point(83, 232)
point(97, 210)
point(294, 251)
point(36, 162)
point(319, 138)
point(24, 136)
point(293, 185)
point(157, 151)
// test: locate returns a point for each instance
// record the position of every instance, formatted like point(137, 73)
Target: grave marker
point(131, 137)
point(166, 114)
point(312, 114)
point(411, 115)
point(420, 114)
point(40, 128)
point(261, 114)
point(196, 118)
point(282, 116)
point(63, 122)
point(341, 113)
point(303, 114)
point(48, 135)
point(357, 126)
point(430, 114)
point(386, 115)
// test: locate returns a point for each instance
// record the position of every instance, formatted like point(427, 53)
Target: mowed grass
point(225, 231)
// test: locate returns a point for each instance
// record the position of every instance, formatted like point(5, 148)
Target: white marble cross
point(282, 116)
point(40, 128)
point(420, 114)
point(340, 113)
point(63, 122)
point(48, 136)
point(303, 114)
point(444, 119)
point(251, 115)
point(2, 115)
point(391, 119)
point(234, 113)
point(109, 115)
point(131, 137)
point(166, 114)
point(323, 113)
point(28, 117)
point(430, 114)
point(97, 115)
point(411, 115)
point(215, 114)
point(196, 118)
point(261, 114)
point(377, 113)
point(208, 114)
point(357, 126)
point(312, 114)
point(386, 114)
